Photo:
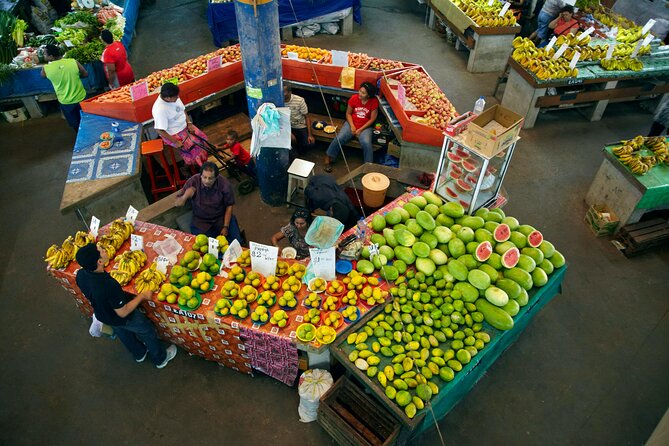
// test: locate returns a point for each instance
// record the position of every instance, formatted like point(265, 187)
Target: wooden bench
point(642, 236)
point(320, 135)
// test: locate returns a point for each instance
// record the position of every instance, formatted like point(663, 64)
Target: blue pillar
point(261, 59)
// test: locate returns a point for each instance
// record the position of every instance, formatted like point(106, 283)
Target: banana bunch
point(621, 63)
point(119, 232)
point(594, 52)
point(658, 145)
point(122, 277)
point(625, 49)
point(82, 239)
point(131, 261)
point(149, 279)
point(572, 40)
point(540, 62)
point(611, 19)
point(629, 35)
point(61, 256)
point(486, 15)
point(629, 154)
point(639, 165)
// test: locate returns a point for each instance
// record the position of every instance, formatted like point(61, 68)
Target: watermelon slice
point(535, 238)
point(469, 167)
point(456, 168)
point(502, 232)
point(453, 157)
point(451, 193)
point(453, 174)
point(464, 204)
point(472, 179)
point(510, 258)
point(463, 186)
point(483, 251)
point(462, 153)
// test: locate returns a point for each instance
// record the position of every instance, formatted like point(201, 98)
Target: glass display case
point(466, 176)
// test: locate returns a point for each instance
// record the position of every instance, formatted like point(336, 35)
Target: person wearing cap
point(65, 75)
point(118, 309)
point(175, 127)
point(295, 231)
point(324, 194)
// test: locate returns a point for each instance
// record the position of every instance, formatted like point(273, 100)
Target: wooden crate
point(640, 237)
point(353, 418)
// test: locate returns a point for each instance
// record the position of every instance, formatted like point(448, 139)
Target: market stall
point(483, 29)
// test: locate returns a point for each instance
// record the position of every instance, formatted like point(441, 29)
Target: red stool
point(149, 149)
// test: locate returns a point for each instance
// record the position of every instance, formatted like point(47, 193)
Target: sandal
point(328, 168)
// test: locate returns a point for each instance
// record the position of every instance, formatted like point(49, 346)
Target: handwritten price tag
point(637, 48)
point(586, 33)
point(263, 258)
point(139, 91)
point(551, 43)
point(649, 24)
point(213, 246)
point(646, 41)
point(323, 262)
point(214, 63)
point(161, 264)
point(95, 226)
point(574, 60)
point(560, 51)
point(609, 53)
point(292, 55)
point(136, 242)
point(401, 95)
point(504, 9)
point(131, 215)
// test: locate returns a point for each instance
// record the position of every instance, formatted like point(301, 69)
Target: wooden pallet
point(640, 237)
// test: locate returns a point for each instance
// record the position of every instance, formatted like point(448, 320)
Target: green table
point(451, 393)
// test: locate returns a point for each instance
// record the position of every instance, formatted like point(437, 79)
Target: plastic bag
point(312, 386)
point(330, 28)
point(347, 78)
point(308, 30)
point(324, 232)
point(169, 248)
point(232, 254)
point(96, 328)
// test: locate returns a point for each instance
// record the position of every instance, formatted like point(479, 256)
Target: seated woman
point(295, 231)
point(564, 23)
point(362, 110)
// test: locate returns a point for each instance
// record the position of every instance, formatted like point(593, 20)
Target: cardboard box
point(493, 131)
point(601, 220)
point(394, 149)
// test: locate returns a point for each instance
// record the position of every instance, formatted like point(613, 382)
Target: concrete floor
point(590, 369)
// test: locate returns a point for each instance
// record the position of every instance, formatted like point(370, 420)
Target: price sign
point(292, 55)
point(214, 63)
point(551, 43)
point(161, 264)
point(609, 53)
point(586, 33)
point(560, 51)
point(504, 9)
point(613, 32)
point(649, 24)
point(131, 215)
point(69, 44)
point(637, 48)
point(263, 258)
point(490, 2)
point(139, 91)
point(172, 80)
point(95, 226)
point(574, 60)
point(401, 94)
point(339, 58)
point(646, 41)
point(136, 242)
point(322, 262)
point(213, 246)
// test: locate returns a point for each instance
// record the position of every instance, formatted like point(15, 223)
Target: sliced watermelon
point(510, 258)
point(483, 251)
point(535, 238)
point(472, 179)
point(453, 174)
point(502, 232)
point(463, 186)
point(453, 157)
point(451, 193)
point(462, 153)
point(464, 204)
point(456, 168)
point(469, 167)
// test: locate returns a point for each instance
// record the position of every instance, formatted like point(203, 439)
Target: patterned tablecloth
point(90, 161)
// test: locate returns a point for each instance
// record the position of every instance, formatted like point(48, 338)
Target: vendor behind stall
point(175, 127)
point(212, 200)
point(549, 12)
point(324, 194)
point(565, 23)
point(115, 60)
point(295, 231)
point(300, 124)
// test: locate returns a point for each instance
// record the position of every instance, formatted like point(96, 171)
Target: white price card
point(263, 258)
point(551, 43)
point(586, 33)
point(637, 48)
point(213, 246)
point(339, 58)
point(560, 51)
point(504, 9)
point(322, 262)
point(95, 226)
point(574, 60)
point(490, 2)
point(131, 215)
point(161, 264)
point(136, 242)
point(609, 52)
point(292, 55)
point(647, 40)
point(69, 44)
point(649, 24)
point(613, 32)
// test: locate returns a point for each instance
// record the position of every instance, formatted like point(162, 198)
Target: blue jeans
point(234, 233)
point(72, 113)
point(543, 31)
point(139, 336)
point(345, 135)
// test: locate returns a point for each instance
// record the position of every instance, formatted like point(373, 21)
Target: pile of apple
point(426, 95)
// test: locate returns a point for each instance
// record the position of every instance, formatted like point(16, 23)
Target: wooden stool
point(178, 181)
point(299, 173)
point(149, 149)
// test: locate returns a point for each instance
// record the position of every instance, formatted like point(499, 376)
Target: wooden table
point(320, 135)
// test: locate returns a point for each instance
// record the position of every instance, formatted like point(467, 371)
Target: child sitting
point(240, 155)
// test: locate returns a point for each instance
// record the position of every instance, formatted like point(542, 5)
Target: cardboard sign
point(136, 242)
point(504, 9)
point(131, 215)
point(551, 43)
point(560, 51)
point(172, 80)
point(649, 24)
point(609, 53)
point(323, 262)
point(401, 95)
point(574, 60)
point(339, 58)
point(292, 55)
point(255, 93)
point(586, 33)
point(139, 91)
point(214, 63)
point(213, 246)
point(263, 258)
point(161, 264)
point(95, 226)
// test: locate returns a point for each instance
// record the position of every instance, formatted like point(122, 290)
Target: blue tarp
point(223, 25)
point(30, 82)
point(131, 13)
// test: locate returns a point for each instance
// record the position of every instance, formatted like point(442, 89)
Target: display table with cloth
point(223, 24)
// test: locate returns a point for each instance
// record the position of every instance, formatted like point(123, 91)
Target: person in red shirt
point(240, 155)
point(362, 110)
point(115, 60)
point(565, 23)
